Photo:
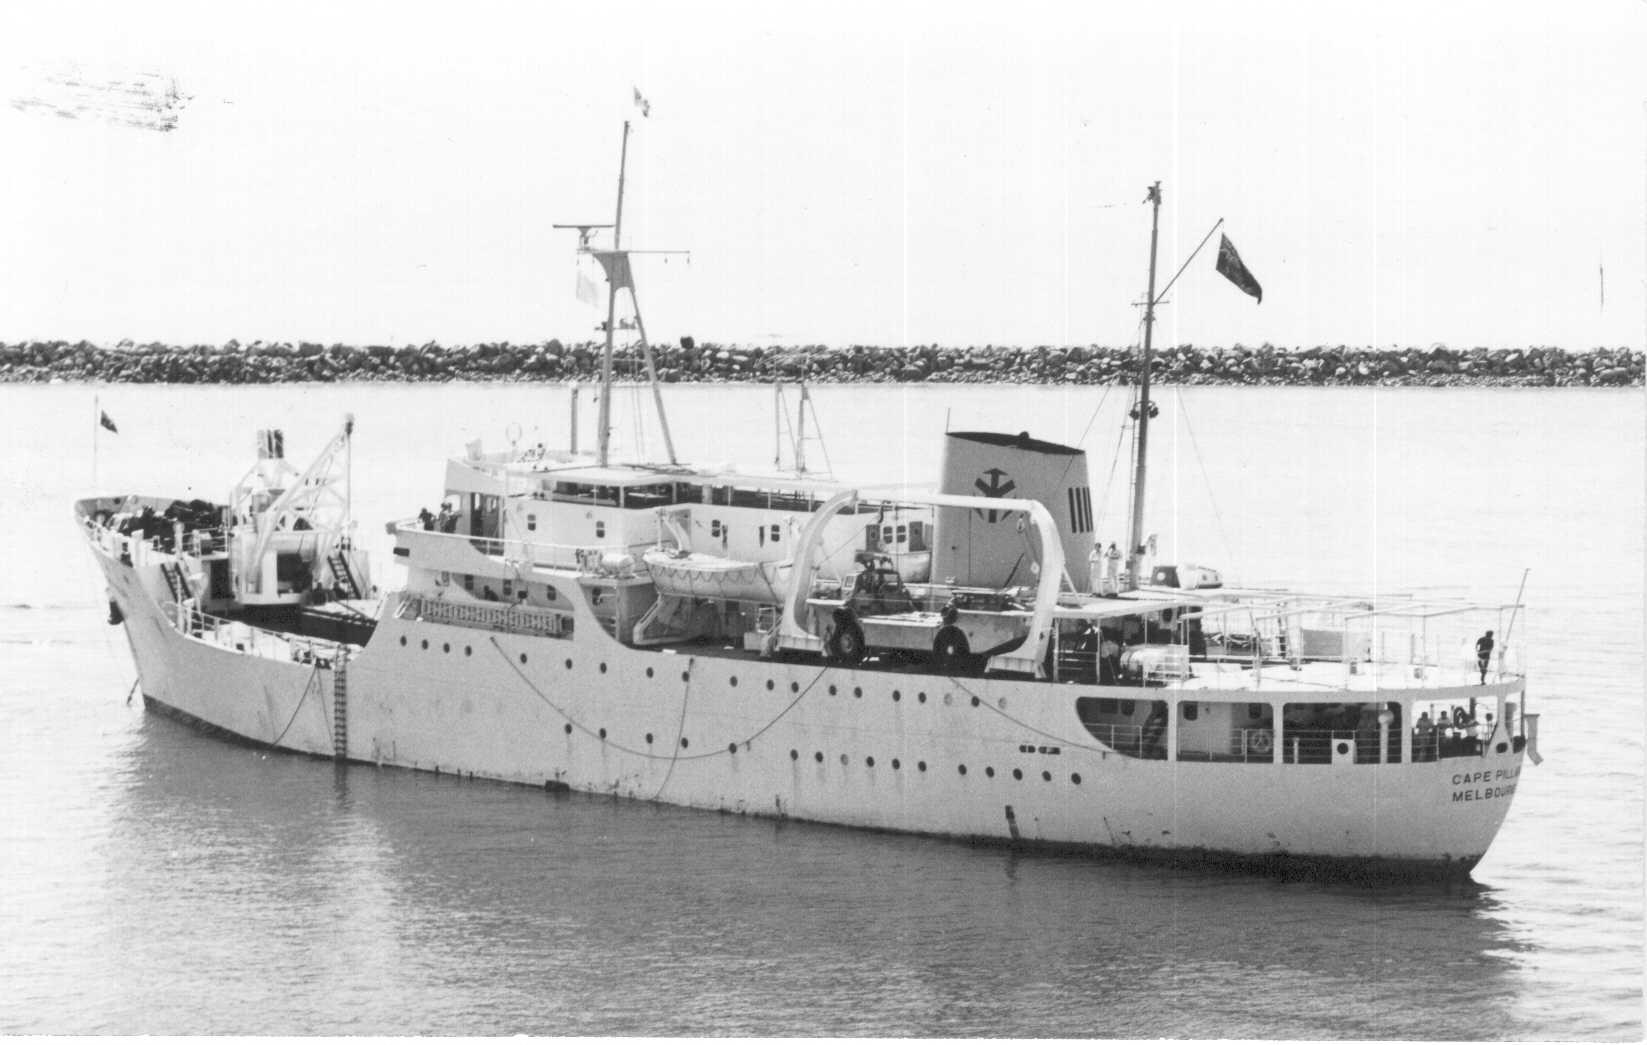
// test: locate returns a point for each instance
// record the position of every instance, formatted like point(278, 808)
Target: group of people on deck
point(1104, 569)
point(1458, 732)
point(445, 522)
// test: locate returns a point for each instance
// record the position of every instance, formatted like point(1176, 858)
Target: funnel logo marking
point(994, 488)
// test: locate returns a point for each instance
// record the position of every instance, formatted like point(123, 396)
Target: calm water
point(156, 881)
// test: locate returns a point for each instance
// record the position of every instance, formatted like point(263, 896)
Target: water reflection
point(487, 908)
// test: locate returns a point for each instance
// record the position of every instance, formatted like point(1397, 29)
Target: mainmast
point(1142, 409)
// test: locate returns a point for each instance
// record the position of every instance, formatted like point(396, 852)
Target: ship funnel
point(985, 549)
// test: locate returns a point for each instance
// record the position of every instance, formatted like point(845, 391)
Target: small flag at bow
point(1231, 268)
point(642, 104)
point(106, 421)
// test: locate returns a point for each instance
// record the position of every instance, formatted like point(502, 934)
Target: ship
point(964, 663)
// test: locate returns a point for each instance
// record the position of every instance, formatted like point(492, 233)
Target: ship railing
point(1126, 737)
point(586, 557)
point(1337, 746)
point(517, 620)
point(241, 637)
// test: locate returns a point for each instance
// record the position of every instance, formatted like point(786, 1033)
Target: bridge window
point(600, 528)
point(531, 522)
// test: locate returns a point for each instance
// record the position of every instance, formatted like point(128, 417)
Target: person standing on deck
point(1112, 569)
point(1095, 560)
point(1484, 654)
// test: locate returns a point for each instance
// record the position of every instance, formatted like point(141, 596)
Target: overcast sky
point(951, 173)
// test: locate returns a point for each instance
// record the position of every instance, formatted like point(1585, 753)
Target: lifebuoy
point(1261, 742)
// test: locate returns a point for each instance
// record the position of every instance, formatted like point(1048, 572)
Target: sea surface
point(157, 881)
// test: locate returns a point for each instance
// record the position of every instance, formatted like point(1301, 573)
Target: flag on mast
point(586, 289)
point(642, 104)
point(106, 421)
point(1231, 268)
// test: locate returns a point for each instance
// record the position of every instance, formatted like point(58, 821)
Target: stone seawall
point(258, 363)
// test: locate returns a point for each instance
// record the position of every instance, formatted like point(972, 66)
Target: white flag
point(586, 289)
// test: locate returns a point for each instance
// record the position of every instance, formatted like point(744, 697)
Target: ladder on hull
point(340, 706)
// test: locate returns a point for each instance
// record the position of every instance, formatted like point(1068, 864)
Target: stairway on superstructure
point(342, 575)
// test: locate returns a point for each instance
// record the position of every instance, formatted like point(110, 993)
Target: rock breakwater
point(259, 363)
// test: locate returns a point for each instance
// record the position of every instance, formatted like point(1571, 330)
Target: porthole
point(989, 771)
point(732, 748)
point(963, 769)
point(832, 689)
point(523, 658)
point(603, 667)
point(920, 698)
point(468, 651)
point(870, 761)
point(686, 676)
point(1046, 776)
point(446, 647)
point(817, 756)
point(1017, 774)
point(603, 732)
point(896, 696)
point(403, 640)
point(734, 682)
point(857, 691)
point(974, 701)
point(425, 643)
point(770, 684)
point(897, 764)
point(793, 754)
point(649, 738)
point(683, 742)
point(1075, 778)
point(568, 663)
point(648, 672)
point(843, 759)
point(921, 766)
point(794, 687)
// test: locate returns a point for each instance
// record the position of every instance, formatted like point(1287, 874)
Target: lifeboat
point(703, 576)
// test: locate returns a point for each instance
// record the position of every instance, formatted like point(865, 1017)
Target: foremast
point(620, 276)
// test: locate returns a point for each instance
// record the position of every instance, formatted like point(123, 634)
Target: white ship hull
point(722, 731)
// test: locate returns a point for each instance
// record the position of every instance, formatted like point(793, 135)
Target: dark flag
point(1231, 268)
point(104, 420)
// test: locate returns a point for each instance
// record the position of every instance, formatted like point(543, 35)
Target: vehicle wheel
point(950, 651)
point(846, 643)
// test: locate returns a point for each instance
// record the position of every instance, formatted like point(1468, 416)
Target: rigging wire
point(1200, 459)
point(673, 756)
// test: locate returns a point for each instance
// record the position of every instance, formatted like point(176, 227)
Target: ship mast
point(619, 275)
point(1141, 410)
point(604, 440)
